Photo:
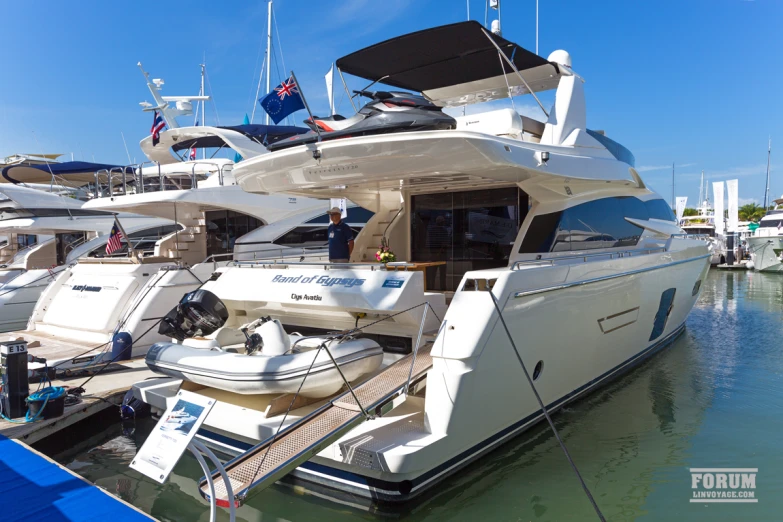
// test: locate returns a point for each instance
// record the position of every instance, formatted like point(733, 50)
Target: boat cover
point(74, 173)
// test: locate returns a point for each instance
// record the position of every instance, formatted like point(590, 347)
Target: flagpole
point(131, 251)
point(304, 100)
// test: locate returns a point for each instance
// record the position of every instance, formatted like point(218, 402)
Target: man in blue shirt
point(340, 238)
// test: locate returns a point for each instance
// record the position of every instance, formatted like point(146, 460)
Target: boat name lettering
point(330, 169)
point(305, 297)
point(322, 280)
point(85, 288)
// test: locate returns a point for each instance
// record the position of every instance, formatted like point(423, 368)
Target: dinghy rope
point(341, 336)
point(545, 411)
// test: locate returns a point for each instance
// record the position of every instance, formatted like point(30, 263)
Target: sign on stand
point(171, 436)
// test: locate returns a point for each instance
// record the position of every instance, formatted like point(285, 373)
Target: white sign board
point(171, 436)
point(680, 203)
point(732, 193)
point(717, 191)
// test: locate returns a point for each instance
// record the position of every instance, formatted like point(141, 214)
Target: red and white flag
point(114, 239)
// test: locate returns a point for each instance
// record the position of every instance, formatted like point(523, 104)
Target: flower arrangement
point(385, 255)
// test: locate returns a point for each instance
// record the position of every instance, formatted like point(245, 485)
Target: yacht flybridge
point(703, 223)
point(510, 234)
point(47, 232)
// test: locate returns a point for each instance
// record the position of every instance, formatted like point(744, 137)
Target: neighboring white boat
point(704, 224)
point(766, 243)
point(549, 220)
point(47, 233)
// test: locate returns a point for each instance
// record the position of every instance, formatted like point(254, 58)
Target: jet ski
point(386, 112)
point(257, 358)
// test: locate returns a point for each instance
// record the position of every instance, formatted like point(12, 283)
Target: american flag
point(114, 242)
point(157, 126)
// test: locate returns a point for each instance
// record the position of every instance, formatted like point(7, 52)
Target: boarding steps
point(262, 465)
point(379, 229)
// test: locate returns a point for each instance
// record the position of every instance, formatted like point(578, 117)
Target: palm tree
point(690, 212)
point(751, 212)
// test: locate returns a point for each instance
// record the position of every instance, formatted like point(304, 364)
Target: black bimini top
point(440, 57)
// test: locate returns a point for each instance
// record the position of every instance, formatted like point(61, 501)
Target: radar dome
point(560, 57)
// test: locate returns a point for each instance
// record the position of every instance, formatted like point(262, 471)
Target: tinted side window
point(659, 209)
point(589, 226)
point(541, 233)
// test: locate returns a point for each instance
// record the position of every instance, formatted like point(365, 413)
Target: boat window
point(26, 240)
point(659, 209)
point(355, 215)
point(143, 241)
point(767, 223)
point(592, 225)
point(224, 227)
point(472, 230)
point(703, 231)
point(309, 236)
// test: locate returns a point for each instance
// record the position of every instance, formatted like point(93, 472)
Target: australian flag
point(157, 126)
point(283, 100)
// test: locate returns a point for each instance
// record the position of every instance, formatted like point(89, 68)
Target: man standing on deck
point(340, 238)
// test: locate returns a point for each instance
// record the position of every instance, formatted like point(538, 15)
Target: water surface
point(712, 399)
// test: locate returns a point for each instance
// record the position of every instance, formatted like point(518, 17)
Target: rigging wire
point(545, 411)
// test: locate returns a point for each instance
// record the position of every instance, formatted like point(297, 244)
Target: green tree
point(751, 212)
point(690, 212)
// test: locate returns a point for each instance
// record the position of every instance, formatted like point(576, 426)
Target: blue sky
point(696, 83)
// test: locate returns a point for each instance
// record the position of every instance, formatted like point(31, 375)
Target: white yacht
point(703, 223)
point(47, 232)
point(545, 222)
point(766, 243)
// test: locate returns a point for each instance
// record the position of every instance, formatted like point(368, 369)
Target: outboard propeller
point(198, 313)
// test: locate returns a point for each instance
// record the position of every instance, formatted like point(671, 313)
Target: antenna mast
point(766, 190)
point(269, 53)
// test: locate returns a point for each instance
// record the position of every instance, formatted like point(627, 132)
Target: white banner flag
point(340, 203)
point(732, 193)
point(717, 192)
point(680, 204)
point(329, 89)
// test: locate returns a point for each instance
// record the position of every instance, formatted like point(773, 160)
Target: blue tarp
point(34, 488)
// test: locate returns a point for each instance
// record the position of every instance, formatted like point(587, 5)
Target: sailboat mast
point(766, 190)
point(203, 104)
point(673, 203)
point(701, 188)
point(269, 53)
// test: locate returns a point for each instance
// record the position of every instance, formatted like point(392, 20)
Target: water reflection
point(703, 402)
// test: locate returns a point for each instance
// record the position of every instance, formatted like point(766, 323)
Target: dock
point(105, 390)
point(34, 487)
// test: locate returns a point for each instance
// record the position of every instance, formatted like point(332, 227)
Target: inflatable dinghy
point(268, 360)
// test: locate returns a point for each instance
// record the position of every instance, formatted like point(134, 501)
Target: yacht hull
point(587, 323)
point(765, 253)
point(19, 295)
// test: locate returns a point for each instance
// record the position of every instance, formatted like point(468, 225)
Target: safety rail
point(551, 261)
point(269, 254)
point(326, 265)
point(151, 182)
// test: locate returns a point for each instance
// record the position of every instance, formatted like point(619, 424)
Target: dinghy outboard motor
point(198, 313)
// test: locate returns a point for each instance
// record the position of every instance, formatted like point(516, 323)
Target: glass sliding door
point(470, 230)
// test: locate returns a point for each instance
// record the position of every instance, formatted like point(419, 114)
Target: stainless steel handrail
point(611, 255)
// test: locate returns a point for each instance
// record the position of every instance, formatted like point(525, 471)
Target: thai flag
point(157, 126)
point(114, 240)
